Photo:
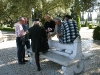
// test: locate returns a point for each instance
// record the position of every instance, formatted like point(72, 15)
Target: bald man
point(49, 25)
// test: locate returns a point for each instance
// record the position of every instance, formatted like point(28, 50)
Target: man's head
point(36, 21)
point(48, 18)
point(21, 20)
point(66, 17)
point(26, 20)
point(57, 21)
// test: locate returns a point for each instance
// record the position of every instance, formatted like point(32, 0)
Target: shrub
point(90, 26)
point(86, 22)
point(83, 25)
point(7, 29)
point(78, 22)
point(96, 33)
point(1, 24)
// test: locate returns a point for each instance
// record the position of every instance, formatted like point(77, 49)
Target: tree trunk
point(30, 16)
point(30, 19)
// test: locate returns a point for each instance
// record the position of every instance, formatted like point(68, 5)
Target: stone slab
point(60, 59)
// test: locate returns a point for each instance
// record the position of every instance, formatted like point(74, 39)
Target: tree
point(15, 8)
point(12, 9)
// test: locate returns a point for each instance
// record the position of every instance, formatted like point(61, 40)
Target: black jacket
point(50, 24)
point(38, 37)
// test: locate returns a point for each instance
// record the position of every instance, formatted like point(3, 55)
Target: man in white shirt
point(20, 33)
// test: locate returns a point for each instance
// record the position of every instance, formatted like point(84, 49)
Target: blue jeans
point(20, 49)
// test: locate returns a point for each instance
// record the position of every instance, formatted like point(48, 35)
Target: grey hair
point(57, 19)
point(21, 18)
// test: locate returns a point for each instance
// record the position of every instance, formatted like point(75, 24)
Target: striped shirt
point(70, 31)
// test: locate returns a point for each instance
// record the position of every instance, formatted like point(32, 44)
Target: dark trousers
point(27, 44)
point(20, 49)
point(37, 60)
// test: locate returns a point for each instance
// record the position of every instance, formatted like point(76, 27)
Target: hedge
point(91, 26)
point(83, 25)
point(7, 29)
point(96, 33)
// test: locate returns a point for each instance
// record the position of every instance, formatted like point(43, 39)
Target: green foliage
point(7, 29)
point(83, 25)
point(12, 9)
point(86, 22)
point(90, 26)
point(1, 24)
point(96, 33)
point(82, 5)
point(78, 22)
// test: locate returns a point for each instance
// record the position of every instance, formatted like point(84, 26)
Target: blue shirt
point(59, 29)
point(25, 27)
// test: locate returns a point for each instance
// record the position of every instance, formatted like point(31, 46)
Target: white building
point(92, 14)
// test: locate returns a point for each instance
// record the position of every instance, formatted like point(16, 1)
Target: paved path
point(9, 65)
point(86, 33)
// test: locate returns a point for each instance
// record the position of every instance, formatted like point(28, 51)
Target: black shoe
point(28, 55)
point(21, 62)
point(25, 60)
point(38, 69)
point(44, 52)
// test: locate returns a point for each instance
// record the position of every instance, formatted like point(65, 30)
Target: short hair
point(21, 18)
point(25, 18)
point(57, 19)
point(67, 16)
point(47, 15)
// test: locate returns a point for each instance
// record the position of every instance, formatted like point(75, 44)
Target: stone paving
point(9, 65)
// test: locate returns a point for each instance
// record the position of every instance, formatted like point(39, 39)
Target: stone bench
point(70, 56)
point(2, 38)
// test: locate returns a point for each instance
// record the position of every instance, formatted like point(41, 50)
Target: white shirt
point(19, 30)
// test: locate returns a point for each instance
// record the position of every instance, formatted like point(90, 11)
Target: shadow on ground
point(9, 65)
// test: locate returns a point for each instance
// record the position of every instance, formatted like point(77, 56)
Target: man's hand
point(59, 35)
point(27, 32)
point(49, 29)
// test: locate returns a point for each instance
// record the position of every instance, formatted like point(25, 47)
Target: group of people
point(66, 30)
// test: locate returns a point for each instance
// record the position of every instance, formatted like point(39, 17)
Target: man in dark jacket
point(49, 25)
point(38, 37)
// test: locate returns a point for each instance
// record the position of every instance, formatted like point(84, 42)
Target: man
point(49, 25)
point(66, 31)
point(57, 29)
point(69, 29)
point(25, 27)
point(20, 33)
point(38, 37)
point(27, 41)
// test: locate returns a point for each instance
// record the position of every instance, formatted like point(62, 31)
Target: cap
point(36, 19)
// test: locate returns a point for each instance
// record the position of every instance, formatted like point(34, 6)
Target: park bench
point(70, 56)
